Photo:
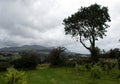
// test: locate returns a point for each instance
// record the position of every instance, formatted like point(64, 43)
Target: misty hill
point(38, 49)
point(41, 51)
point(27, 48)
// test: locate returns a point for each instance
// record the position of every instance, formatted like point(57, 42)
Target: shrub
point(84, 60)
point(26, 62)
point(118, 63)
point(70, 63)
point(4, 66)
point(14, 76)
point(88, 66)
point(56, 57)
point(106, 69)
point(82, 68)
point(95, 73)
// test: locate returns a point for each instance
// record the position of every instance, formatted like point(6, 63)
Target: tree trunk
point(94, 56)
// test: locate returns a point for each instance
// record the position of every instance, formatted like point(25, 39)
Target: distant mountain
point(27, 48)
point(42, 50)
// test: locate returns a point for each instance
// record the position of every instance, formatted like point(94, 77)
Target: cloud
point(27, 22)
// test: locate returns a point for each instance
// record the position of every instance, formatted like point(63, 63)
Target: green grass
point(61, 76)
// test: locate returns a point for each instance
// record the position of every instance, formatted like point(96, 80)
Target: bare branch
point(84, 44)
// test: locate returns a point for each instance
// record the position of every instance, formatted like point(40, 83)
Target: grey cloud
point(24, 22)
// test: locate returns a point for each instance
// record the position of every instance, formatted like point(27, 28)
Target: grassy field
point(62, 76)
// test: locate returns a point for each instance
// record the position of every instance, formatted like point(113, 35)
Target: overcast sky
point(39, 22)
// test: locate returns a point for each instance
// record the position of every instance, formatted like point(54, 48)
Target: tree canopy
point(87, 25)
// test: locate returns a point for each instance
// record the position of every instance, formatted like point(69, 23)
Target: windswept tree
point(88, 25)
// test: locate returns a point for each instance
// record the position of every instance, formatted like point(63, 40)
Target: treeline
point(112, 53)
point(22, 62)
point(57, 57)
point(28, 61)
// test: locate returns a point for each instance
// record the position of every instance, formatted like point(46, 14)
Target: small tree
point(87, 25)
point(14, 76)
point(56, 56)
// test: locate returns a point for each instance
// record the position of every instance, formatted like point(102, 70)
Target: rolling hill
point(38, 49)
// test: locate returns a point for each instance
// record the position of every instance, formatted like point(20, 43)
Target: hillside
point(27, 48)
point(37, 49)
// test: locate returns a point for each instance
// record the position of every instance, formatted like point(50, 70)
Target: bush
point(70, 63)
point(4, 66)
point(118, 63)
point(84, 60)
point(88, 66)
point(26, 62)
point(56, 57)
point(14, 76)
point(81, 68)
point(96, 72)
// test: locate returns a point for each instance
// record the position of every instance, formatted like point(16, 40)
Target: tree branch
point(83, 43)
point(90, 40)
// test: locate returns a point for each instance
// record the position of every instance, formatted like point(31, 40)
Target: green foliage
point(106, 69)
point(115, 72)
point(84, 60)
point(14, 76)
point(82, 68)
point(56, 57)
point(114, 53)
point(2, 58)
point(9, 58)
point(118, 60)
point(70, 63)
point(96, 72)
point(59, 75)
point(4, 66)
point(88, 67)
point(26, 62)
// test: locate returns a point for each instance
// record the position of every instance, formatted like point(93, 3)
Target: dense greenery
point(4, 66)
point(57, 56)
point(112, 53)
point(26, 62)
point(87, 25)
point(14, 76)
point(64, 75)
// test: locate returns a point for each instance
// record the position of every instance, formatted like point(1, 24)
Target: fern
point(14, 76)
